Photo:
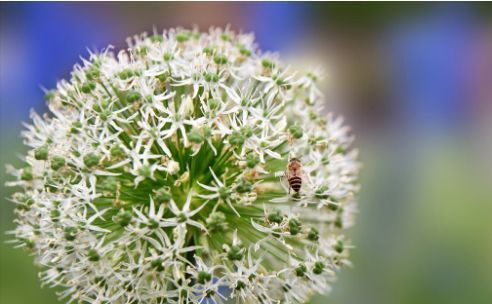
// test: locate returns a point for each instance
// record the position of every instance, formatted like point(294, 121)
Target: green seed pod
point(275, 217)
point(70, 233)
point(296, 131)
point(57, 162)
point(203, 277)
point(26, 174)
point(88, 87)
point(235, 253)
point(236, 138)
point(93, 256)
point(41, 153)
point(313, 234)
point(318, 267)
point(91, 160)
point(123, 218)
point(252, 160)
point(133, 96)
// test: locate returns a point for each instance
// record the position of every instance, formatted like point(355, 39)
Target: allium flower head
point(158, 176)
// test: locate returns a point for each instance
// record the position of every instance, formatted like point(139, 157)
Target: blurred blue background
point(413, 79)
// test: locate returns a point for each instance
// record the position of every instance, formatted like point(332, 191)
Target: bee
point(294, 174)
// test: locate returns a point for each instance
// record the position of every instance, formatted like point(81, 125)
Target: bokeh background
point(413, 79)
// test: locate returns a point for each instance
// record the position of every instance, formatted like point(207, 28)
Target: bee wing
point(284, 179)
point(306, 176)
point(280, 174)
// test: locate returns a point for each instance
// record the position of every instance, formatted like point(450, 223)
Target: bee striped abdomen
point(295, 183)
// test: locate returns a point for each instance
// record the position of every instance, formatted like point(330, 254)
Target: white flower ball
point(189, 166)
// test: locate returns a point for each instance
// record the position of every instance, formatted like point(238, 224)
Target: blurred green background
point(413, 79)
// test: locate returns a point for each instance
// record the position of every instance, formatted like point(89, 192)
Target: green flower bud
point(157, 264)
point(211, 77)
point(267, 64)
point(57, 162)
point(220, 59)
point(340, 150)
point(93, 256)
point(203, 277)
point(224, 192)
point(236, 138)
point(75, 127)
point(24, 201)
point(207, 132)
point(123, 218)
point(110, 183)
point(153, 224)
point(117, 151)
point(104, 115)
point(313, 234)
point(92, 73)
point(225, 37)
point(36, 229)
point(100, 281)
point(280, 82)
point(195, 137)
point(235, 253)
point(182, 37)
point(240, 285)
point(333, 206)
point(70, 233)
point(213, 104)
point(55, 215)
point(244, 186)
point(339, 246)
point(277, 232)
point(27, 174)
point(163, 77)
point(321, 192)
point(294, 226)
point(88, 87)
point(125, 74)
point(157, 38)
point(29, 201)
point(216, 222)
point(244, 51)
point(339, 222)
point(313, 115)
point(133, 96)
point(50, 95)
point(168, 56)
point(318, 267)
point(91, 160)
point(252, 160)
point(29, 244)
point(296, 131)
point(275, 217)
point(208, 51)
point(162, 195)
point(301, 270)
point(247, 131)
point(41, 153)
point(145, 171)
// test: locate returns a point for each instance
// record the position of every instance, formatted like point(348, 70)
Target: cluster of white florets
point(157, 176)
